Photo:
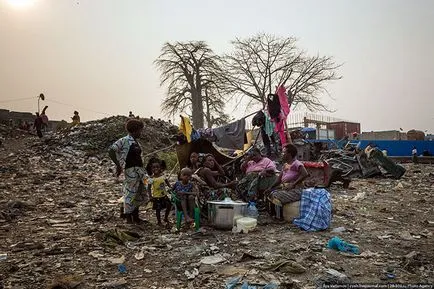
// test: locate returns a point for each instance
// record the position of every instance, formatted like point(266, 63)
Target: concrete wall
point(383, 135)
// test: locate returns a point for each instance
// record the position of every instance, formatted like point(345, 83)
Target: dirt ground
point(57, 205)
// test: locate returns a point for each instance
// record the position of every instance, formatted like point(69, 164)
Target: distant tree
point(189, 70)
point(259, 64)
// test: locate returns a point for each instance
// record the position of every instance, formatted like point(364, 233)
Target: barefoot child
point(184, 191)
point(157, 188)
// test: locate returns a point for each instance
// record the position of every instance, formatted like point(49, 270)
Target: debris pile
point(97, 136)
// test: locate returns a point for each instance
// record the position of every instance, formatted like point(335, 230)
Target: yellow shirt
point(158, 187)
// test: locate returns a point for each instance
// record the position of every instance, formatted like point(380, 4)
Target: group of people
point(148, 183)
point(202, 180)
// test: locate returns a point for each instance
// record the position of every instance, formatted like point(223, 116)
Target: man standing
point(38, 125)
point(414, 155)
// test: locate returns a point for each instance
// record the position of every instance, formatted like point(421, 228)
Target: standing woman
point(126, 153)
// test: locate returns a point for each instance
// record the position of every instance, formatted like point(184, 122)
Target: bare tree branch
point(259, 63)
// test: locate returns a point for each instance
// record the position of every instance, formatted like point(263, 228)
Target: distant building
point(14, 118)
point(383, 135)
point(344, 128)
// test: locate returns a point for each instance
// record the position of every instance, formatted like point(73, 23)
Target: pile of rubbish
point(361, 164)
point(96, 136)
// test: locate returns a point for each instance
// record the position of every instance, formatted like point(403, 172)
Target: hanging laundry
point(232, 135)
point(186, 129)
point(269, 126)
point(273, 105)
point(283, 99)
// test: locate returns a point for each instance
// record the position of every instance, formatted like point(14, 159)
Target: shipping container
point(343, 128)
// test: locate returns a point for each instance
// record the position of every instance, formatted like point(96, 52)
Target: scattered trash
point(139, 255)
point(122, 268)
point(192, 275)
point(336, 273)
point(114, 284)
point(359, 197)
point(119, 260)
point(406, 236)
point(340, 245)
point(65, 282)
point(285, 266)
point(210, 260)
point(233, 283)
point(339, 230)
point(3, 256)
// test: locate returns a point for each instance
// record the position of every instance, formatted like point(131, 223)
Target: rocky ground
point(59, 217)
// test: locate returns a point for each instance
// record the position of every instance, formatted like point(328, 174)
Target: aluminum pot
point(223, 214)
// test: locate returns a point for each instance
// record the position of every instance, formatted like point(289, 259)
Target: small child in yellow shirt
point(157, 188)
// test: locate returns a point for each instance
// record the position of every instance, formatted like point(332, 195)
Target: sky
point(96, 56)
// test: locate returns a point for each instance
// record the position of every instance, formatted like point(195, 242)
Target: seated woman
point(260, 175)
point(289, 184)
point(210, 172)
point(193, 162)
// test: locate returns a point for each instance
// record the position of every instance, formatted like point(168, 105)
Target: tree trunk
point(197, 109)
point(208, 110)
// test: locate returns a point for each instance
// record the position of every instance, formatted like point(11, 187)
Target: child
point(157, 188)
point(184, 191)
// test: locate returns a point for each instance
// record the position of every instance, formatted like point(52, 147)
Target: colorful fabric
point(283, 99)
point(158, 187)
point(269, 126)
point(179, 187)
point(122, 147)
point(281, 197)
point(280, 130)
point(315, 210)
point(291, 172)
point(133, 189)
point(186, 128)
point(264, 164)
point(252, 184)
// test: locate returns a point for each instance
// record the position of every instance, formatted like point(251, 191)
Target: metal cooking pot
point(223, 214)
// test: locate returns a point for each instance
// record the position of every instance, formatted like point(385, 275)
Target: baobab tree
point(189, 70)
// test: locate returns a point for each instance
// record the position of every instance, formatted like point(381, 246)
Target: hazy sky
point(96, 56)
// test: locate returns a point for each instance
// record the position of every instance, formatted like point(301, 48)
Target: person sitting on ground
point(126, 154)
point(210, 172)
point(290, 181)
point(184, 192)
point(75, 119)
point(193, 162)
point(157, 188)
point(260, 175)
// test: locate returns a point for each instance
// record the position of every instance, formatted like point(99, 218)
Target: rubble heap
point(96, 136)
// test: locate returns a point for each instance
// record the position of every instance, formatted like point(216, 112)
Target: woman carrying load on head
point(126, 154)
point(289, 185)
